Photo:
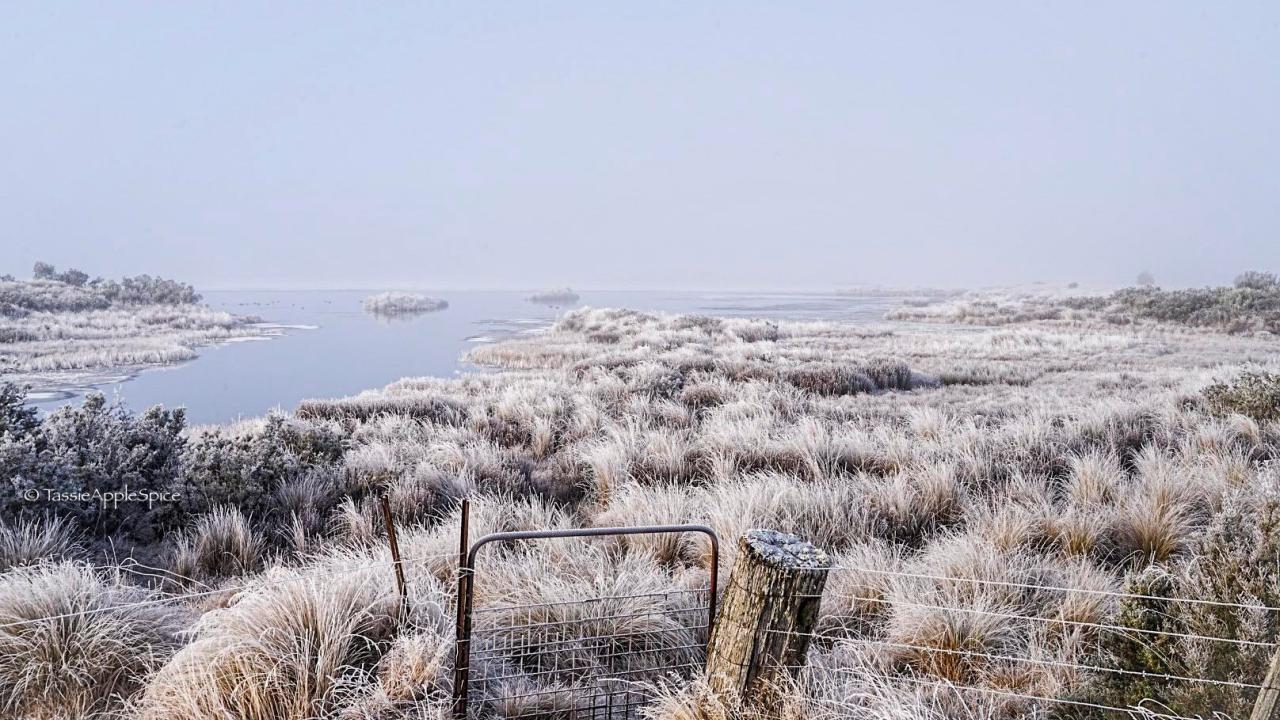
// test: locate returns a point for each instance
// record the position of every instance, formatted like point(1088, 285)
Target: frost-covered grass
point(50, 331)
point(1076, 455)
point(402, 303)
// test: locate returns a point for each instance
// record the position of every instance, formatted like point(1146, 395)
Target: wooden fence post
point(1267, 706)
point(767, 614)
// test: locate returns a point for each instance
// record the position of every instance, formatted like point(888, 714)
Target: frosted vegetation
point(561, 296)
point(1251, 304)
point(391, 304)
point(1079, 450)
point(61, 324)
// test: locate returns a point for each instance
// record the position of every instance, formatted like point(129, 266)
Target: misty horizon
point(763, 148)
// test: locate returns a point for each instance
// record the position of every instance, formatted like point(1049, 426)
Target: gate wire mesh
point(590, 658)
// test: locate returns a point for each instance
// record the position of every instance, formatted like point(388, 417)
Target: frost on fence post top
point(785, 550)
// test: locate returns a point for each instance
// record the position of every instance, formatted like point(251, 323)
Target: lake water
point(348, 350)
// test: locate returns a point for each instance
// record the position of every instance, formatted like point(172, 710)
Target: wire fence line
point(1060, 588)
point(1034, 661)
point(1121, 629)
point(938, 685)
point(257, 585)
point(537, 655)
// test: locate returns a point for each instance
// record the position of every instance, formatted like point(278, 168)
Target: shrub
point(1231, 309)
point(1254, 394)
point(93, 449)
point(245, 469)
point(1231, 566)
point(17, 421)
point(43, 271)
point(1256, 280)
point(147, 290)
point(21, 298)
point(561, 296)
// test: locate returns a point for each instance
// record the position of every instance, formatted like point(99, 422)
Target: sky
point(792, 146)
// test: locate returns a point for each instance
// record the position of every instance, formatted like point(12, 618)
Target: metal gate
point(581, 659)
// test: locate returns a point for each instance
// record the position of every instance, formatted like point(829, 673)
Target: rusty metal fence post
point(389, 520)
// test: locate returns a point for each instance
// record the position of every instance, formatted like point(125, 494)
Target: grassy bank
point(58, 327)
point(1066, 452)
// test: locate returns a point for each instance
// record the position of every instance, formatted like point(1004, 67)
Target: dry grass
point(78, 665)
point(30, 541)
point(297, 648)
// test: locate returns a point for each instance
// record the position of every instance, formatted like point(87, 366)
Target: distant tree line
point(141, 289)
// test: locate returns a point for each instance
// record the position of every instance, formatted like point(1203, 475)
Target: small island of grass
point(394, 304)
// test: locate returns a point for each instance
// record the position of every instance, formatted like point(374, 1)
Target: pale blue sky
point(782, 145)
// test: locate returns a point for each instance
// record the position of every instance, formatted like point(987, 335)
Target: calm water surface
point(346, 350)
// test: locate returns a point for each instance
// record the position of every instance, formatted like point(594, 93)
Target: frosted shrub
point(95, 448)
point(246, 469)
point(1254, 394)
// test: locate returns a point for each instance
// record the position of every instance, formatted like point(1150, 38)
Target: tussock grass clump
point(222, 544)
point(296, 648)
point(414, 680)
point(78, 665)
point(910, 507)
point(31, 541)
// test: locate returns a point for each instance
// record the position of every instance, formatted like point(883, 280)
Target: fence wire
point(604, 657)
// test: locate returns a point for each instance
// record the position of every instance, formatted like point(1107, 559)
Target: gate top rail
point(466, 582)
point(592, 532)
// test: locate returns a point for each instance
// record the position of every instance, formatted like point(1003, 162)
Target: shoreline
point(48, 391)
